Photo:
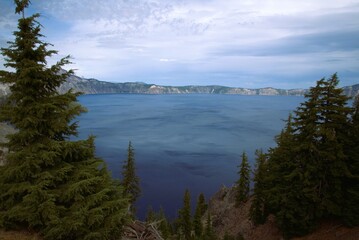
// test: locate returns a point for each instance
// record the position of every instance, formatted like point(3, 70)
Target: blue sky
point(240, 43)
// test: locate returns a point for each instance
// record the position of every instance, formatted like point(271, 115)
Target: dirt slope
point(235, 221)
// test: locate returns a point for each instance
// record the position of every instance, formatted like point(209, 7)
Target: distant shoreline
point(94, 86)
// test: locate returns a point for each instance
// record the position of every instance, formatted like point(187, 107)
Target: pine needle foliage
point(312, 173)
point(208, 231)
point(50, 184)
point(130, 181)
point(243, 181)
point(184, 223)
point(258, 211)
point(201, 208)
point(351, 182)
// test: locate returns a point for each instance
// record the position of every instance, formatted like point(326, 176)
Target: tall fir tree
point(49, 183)
point(201, 208)
point(351, 181)
point(258, 210)
point(208, 231)
point(307, 171)
point(243, 181)
point(283, 193)
point(321, 125)
point(131, 181)
point(164, 227)
point(184, 222)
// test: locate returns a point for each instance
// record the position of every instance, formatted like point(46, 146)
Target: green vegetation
point(313, 171)
point(61, 190)
point(184, 223)
point(201, 208)
point(50, 184)
point(258, 212)
point(208, 231)
point(131, 182)
point(185, 227)
point(243, 181)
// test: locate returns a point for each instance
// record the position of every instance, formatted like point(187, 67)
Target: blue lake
point(182, 141)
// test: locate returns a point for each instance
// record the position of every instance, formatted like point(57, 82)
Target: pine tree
point(130, 181)
point(50, 184)
point(184, 224)
point(308, 168)
point(208, 231)
point(351, 181)
point(150, 215)
point(321, 125)
point(160, 220)
point(283, 194)
point(258, 211)
point(201, 207)
point(164, 227)
point(244, 181)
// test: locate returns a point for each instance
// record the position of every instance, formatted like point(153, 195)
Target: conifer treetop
point(21, 5)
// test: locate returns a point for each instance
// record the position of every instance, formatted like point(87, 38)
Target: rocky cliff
point(352, 90)
point(93, 86)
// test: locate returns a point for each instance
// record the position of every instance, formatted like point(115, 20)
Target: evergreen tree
point(184, 227)
point(308, 167)
point(351, 181)
point(201, 207)
point(159, 218)
point(208, 231)
point(321, 126)
point(150, 215)
point(164, 227)
point(130, 181)
point(244, 181)
point(50, 184)
point(283, 194)
point(258, 212)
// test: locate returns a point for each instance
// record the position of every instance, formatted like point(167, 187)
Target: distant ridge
point(94, 86)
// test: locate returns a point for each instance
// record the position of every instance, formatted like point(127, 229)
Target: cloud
point(167, 60)
point(180, 42)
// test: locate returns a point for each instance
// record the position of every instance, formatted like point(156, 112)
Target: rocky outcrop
point(93, 86)
point(234, 221)
point(352, 90)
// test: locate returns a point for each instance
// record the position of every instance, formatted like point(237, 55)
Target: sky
point(238, 43)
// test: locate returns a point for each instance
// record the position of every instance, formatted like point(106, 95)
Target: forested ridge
point(61, 190)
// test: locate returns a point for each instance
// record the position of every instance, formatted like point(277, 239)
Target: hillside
point(352, 90)
point(226, 218)
point(94, 86)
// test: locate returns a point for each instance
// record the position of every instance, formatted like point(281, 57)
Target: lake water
point(182, 141)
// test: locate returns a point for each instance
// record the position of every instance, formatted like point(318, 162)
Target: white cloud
point(167, 60)
point(210, 41)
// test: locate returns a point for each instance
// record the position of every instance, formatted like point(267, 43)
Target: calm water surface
point(182, 141)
